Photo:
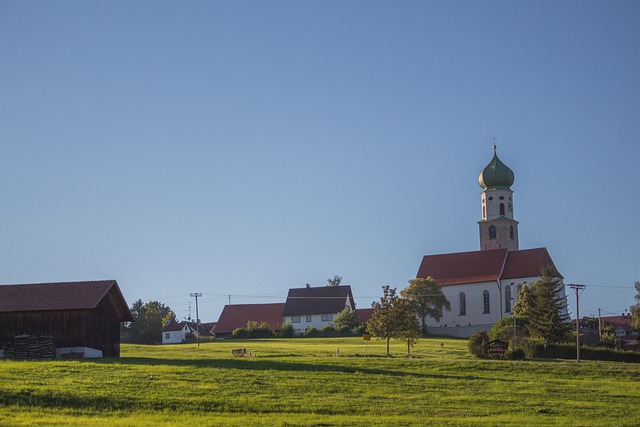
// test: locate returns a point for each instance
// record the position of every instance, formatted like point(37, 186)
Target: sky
point(239, 149)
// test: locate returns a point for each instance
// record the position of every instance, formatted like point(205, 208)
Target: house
point(236, 316)
point(78, 319)
point(315, 307)
point(176, 333)
point(364, 314)
point(623, 327)
point(482, 286)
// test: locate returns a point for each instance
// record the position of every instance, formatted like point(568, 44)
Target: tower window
point(463, 304)
point(490, 197)
point(501, 197)
point(492, 232)
point(507, 299)
point(485, 302)
point(484, 214)
point(501, 208)
point(511, 232)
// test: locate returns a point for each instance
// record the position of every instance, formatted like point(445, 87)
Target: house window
point(463, 304)
point(167, 335)
point(326, 317)
point(511, 232)
point(501, 208)
point(295, 319)
point(308, 318)
point(492, 232)
point(507, 299)
point(485, 301)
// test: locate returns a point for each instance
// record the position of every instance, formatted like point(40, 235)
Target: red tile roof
point(484, 266)
point(364, 314)
point(62, 296)
point(463, 267)
point(237, 315)
point(319, 300)
point(526, 263)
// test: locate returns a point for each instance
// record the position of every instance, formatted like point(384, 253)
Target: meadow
point(316, 382)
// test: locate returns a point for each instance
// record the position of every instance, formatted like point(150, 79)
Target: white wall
point(315, 321)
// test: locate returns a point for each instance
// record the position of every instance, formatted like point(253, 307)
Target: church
point(482, 286)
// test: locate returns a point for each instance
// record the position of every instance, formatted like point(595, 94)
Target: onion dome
point(496, 174)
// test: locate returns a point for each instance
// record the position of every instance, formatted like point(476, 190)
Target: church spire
point(498, 229)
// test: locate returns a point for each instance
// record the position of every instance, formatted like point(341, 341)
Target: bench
point(239, 352)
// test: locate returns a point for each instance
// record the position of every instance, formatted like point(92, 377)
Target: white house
point(175, 333)
point(483, 285)
point(316, 307)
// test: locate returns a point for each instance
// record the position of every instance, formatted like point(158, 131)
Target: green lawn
point(302, 382)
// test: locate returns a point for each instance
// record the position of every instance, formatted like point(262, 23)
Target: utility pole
point(599, 326)
point(577, 288)
point(196, 295)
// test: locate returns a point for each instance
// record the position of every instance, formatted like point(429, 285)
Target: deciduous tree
point(426, 299)
point(335, 281)
point(392, 318)
point(346, 319)
point(635, 309)
point(148, 320)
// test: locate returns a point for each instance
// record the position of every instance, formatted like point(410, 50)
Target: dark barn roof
point(320, 300)
point(484, 266)
point(62, 296)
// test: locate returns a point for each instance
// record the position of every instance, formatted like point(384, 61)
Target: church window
point(507, 299)
point(519, 288)
point(511, 232)
point(501, 208)
point(463, 304)
point(492, 232)
point(485, 302)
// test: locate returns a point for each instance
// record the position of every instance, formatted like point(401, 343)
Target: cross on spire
point(494, 143)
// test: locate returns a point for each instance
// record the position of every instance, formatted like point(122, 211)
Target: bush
point(259, 330)
point(478, 344)
point(328, 331)
point(517, 354)
point(345, 330)
point(312, 332)
point(240, 333)
point(285, 330)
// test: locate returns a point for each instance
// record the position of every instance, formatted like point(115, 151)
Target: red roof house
point(237, 315)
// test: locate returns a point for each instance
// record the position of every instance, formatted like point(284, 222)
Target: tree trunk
point(388, 339)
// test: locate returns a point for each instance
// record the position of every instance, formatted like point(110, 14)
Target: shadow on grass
point(273, 365)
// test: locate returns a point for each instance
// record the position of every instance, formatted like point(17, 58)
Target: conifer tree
point(547, 312)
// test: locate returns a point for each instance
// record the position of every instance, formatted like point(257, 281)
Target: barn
point(75, 319)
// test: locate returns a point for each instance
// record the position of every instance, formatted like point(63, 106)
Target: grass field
point(302, 382)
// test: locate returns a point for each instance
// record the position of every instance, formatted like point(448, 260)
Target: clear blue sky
point(245, 148)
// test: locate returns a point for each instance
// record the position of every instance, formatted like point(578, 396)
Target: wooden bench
point(239, 352)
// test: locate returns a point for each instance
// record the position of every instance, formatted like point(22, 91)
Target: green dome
point(496, 175)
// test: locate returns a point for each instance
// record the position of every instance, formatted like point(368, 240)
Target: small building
point(176, 333)
point(79, 319)
point(315, 307)
point(236, 316)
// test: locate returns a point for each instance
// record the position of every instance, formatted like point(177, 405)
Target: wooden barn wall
point(98, 328)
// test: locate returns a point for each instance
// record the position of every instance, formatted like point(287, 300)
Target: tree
point(635, 309)
point(426, 299)
point(391, 318)
point(409, 329)
point(335, 281)
point(547, 312)
point(525, 300)
point(347, 318)
point(148, 320)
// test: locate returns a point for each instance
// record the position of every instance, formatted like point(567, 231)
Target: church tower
point(498, 229)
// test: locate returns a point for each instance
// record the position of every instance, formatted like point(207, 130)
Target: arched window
point(511, 232)
point(485, 302)
point(484, 215)
point(507, 299)
point(501, 208)
point(492, 232)
point(463, 304)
